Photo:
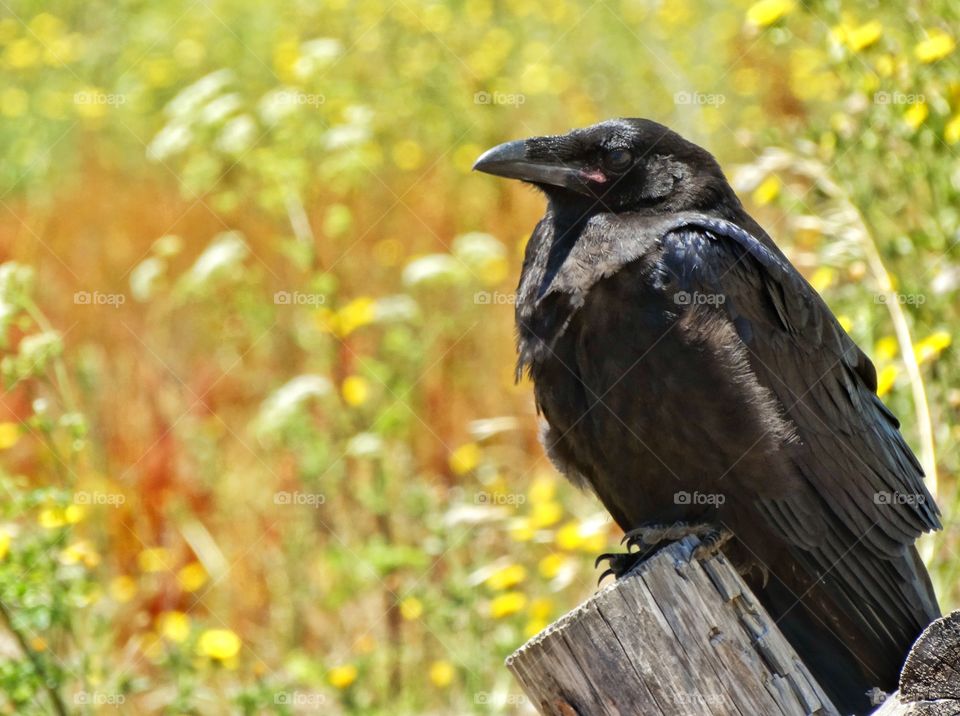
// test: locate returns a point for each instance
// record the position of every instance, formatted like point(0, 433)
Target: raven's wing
point(865, 502)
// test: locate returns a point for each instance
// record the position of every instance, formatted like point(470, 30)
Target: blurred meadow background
point(261, 450)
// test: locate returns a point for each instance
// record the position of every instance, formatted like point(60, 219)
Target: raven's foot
point(711, 542)
point(650, 535)
point(619, 563)
point(644, 540)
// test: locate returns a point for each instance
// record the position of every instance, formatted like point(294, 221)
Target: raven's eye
point(618, 159)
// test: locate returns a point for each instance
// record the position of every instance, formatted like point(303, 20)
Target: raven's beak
point(511, 160)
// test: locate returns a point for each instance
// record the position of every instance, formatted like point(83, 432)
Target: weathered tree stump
point(930, 680)
point(675, 637)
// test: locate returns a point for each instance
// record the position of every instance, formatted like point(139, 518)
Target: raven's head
point(617, 166)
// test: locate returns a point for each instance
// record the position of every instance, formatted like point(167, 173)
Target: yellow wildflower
point(191, 577)
point(863, 36)
point(937, 46)
point(9, 435)
point(823, 278)
point(174, 625)
point(154, 559)
point(541, 608)
point(507, 604)
point(586, 536)
point(359, 312)
point(219, 644)
point(465, 458)
point(441, 673)
point(507, 577)
point(534, 627)
point(932, 346)
point(768, 190)
point(767, 12)
point(545, 514)
point(543, 489)
point(916, 115)
point(341, 677)
point(551, 565)
point(52, 517)
point(355, 390)
point(5, 539)
point(951, 133)
point(887, 348)
point(411, 608)
point(886, 378)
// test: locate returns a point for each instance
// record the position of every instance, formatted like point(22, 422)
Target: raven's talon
point(620, 563)
point(711, 542)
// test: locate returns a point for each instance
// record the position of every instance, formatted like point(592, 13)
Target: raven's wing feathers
point(866, 502)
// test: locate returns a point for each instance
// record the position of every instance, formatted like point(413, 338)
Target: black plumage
point(688, 373)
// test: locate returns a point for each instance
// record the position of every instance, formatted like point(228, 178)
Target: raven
point(698, 384)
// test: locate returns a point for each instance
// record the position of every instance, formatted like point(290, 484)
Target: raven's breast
point(652, 400)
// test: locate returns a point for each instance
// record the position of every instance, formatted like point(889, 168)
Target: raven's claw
point(648, 538)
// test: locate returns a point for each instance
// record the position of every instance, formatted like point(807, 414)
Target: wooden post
point(930, 680)
point(675, 637)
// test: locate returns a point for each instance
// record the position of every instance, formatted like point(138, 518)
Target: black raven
point(689, 374)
